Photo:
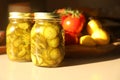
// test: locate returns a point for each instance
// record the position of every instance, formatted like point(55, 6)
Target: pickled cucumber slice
point(45, 53)
point(33, 31)
point(53, 42)
point(28, 57)
point(57, 28)
point(50, 32)
point(17, 42)
point(44, 64)
point(10, 29)
point(39, 41)
point(21, 53)
point(33, 59)
point(36, 59)
point(23, 25)
point(50, 62)
point(55, 54)
point(52, 56)
point(15, 51)
point(39, 60)
point(41, 29)
point(18, 32)
point(11, 57)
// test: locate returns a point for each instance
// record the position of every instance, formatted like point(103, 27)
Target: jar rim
point(45, 15)
point(20, 15)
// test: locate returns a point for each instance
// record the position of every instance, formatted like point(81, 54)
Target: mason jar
point(18, 36)
point(47, 40)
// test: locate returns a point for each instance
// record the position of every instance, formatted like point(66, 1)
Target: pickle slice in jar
point(39, 60)
point(51, 57)
point(17, 42)
point(28, 57)
point(50, 62)
point(18, 32)
point(44, 64)
point(38, 29)
point(50, 32)
point(45, 53)
point(10, 29)
point(33, 31)
point(53, 42)
point(41, 29)
point(23, 25)
point(21, 53)
point(46, 58)
point(39, 41)
point(34, 59)
point(55, 53)
point(42, 41)
point(10, 56)
point(58, 28)
point(26, 38)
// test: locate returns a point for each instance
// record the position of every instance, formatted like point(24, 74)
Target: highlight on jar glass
point(18, 36)
point(47, 40)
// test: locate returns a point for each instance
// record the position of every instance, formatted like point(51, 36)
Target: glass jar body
point(18, 39)
point(47, 43)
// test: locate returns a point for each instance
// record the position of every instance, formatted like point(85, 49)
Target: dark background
point(103, 7)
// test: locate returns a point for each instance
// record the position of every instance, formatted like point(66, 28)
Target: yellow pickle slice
point(50, 32)
point(53, 42)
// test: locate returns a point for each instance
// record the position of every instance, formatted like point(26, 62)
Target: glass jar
point(47, 40)
point(18, 36)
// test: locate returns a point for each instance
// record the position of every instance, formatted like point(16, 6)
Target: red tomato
point(63, 17)
point(73, 24)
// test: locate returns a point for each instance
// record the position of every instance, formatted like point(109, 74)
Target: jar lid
point(45, 15)
point(20, 15)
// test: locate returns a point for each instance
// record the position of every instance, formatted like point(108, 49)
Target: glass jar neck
point(18, 20)
point(47, 20)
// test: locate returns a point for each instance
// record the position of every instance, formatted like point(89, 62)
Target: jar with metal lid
point(47, 40)
point(18, 36)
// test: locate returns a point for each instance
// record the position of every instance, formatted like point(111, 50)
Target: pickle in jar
point(23, 26)
point(55, 54)
point(50, 32)
point(53, 42)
